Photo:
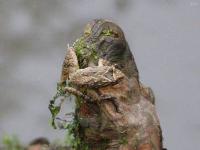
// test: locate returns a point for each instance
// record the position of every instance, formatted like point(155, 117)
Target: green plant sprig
point(55, 109)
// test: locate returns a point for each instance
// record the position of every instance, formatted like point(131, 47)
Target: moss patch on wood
point(85, 53)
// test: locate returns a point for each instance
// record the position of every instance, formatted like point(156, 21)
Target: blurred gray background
point(164, 36)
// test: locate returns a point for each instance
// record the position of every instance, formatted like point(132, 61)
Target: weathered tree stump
point(114, 111)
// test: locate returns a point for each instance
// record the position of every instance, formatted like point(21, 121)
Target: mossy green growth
point(107, 32)
point(123, 141)
point(73, 128)
point(85, 52)
point(79, 46)
point(79, 102)
point(94, 56)
point(73, 138)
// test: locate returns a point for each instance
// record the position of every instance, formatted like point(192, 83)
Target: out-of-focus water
point(164, 36)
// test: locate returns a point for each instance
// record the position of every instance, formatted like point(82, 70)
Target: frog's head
point(104, 39)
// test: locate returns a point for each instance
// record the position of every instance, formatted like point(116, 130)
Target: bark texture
point(114, 110)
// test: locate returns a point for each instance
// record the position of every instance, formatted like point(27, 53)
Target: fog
point(164, 36)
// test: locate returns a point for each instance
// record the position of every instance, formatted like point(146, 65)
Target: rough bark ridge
point(114, 111)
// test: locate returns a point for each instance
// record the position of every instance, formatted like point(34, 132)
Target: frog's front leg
point(78, 93)
point(93, 96)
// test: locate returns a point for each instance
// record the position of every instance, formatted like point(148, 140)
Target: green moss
point(55, 109)
point(123, 141)
point(107, 32)
point(85, 52)
point(78, 102)
point(73, 138)
point(79, 46)
point(82, 52)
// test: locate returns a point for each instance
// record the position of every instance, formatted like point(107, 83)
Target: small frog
point(93, 78)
